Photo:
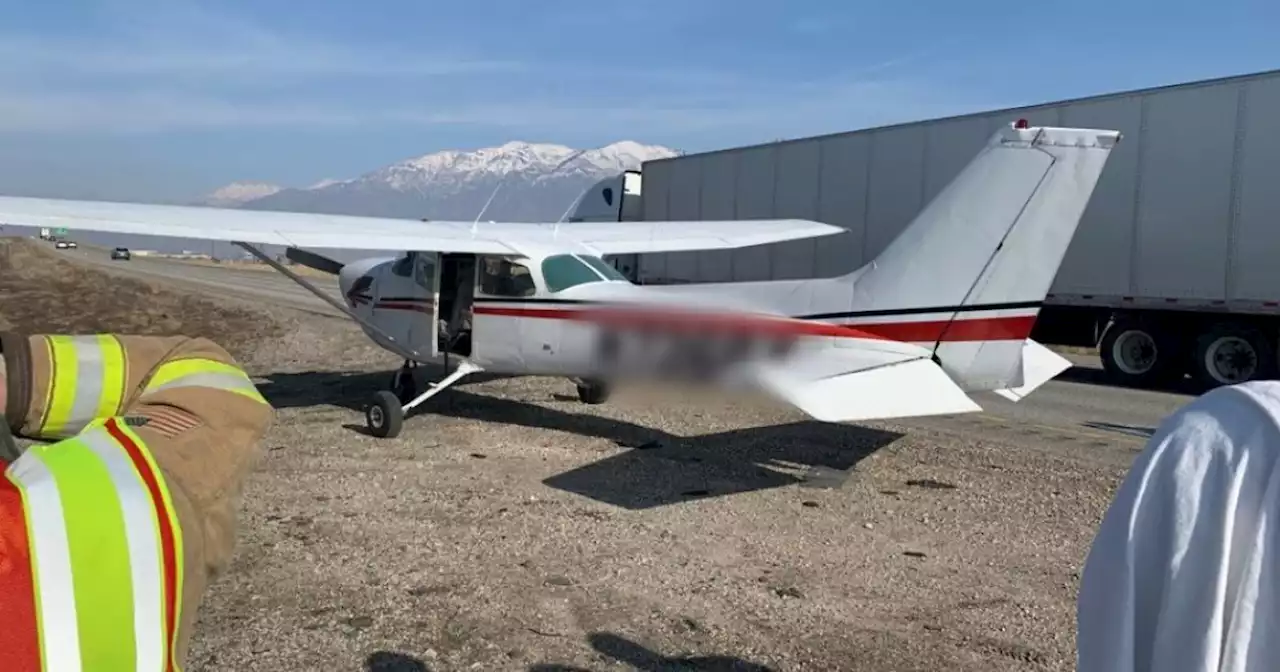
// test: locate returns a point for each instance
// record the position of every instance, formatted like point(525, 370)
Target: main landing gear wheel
point(593, 392)
point(385, 416)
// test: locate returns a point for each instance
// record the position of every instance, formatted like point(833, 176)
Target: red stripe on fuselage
point(397, 305)
point(1016, 327)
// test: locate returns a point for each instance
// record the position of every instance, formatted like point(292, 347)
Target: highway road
point(1074, 411)
point(262, 282)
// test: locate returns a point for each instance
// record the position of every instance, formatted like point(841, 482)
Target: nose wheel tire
point(385, 416)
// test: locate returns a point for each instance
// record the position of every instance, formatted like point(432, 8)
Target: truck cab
point(614, 199)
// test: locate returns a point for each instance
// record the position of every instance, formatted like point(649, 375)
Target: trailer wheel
point(1228, 353)
point(1137, 354)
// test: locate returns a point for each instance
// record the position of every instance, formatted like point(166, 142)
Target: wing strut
point(403, 351)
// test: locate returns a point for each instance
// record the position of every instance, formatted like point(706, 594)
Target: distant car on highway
point(121, 253)
point(62, 245)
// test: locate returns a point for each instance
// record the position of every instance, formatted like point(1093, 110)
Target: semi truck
point(1174, 271)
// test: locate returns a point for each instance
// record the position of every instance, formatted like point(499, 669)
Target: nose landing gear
point(384, 417)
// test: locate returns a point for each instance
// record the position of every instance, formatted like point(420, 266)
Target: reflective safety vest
point(90, 557)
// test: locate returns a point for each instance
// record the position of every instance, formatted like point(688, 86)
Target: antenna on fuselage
point(555, 227)
point(574, 203)
point(476, 223)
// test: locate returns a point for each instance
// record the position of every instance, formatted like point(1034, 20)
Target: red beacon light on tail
point(1021, 124)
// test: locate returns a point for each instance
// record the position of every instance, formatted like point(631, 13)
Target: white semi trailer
point(1175, 269)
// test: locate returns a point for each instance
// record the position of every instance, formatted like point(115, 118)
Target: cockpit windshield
point(562, 271)
point(606, 269)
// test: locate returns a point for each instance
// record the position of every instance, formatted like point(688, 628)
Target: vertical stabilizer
point(980, 258)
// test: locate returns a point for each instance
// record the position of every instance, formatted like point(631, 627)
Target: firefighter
point(111, 531)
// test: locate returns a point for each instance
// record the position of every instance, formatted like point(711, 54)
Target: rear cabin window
point(563, 271)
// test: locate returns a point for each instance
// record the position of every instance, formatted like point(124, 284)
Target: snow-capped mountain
point(238, 193)
point(534, 182)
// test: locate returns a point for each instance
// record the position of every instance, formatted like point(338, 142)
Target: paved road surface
point(1071, 413)
point(262, 283)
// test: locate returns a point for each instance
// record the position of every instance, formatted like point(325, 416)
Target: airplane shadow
point(640, 658)
point(659, 469)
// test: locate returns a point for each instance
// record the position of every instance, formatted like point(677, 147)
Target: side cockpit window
point(404, 265)
point(503, 277)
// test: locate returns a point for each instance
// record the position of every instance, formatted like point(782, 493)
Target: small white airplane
point(945, 309)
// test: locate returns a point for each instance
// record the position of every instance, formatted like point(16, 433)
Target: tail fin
point(976, 264)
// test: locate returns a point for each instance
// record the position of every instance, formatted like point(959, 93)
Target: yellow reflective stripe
point(87, 381)
point(115, 368)
point(171, 518)
point(143, 538)
point(200, 372)
point(96, 553)
point(50, 564)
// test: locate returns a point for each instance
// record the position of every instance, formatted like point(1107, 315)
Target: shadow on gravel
point(638, 657)
point(675, 469)
point(1094, 376)
point(660, 468)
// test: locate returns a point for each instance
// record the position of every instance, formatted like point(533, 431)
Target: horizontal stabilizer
point(858, 387)
point(1039, 366)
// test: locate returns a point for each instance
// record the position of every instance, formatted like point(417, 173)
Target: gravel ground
point(511, 528)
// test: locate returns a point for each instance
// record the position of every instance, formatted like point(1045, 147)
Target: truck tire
point(1229, 353)
point(1137, 353)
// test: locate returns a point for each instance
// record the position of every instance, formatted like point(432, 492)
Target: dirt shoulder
point(44, 292)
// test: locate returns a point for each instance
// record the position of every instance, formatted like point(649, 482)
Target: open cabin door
point(406, 299)
point(426, 278)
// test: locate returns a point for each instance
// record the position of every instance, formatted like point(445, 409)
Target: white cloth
point(1184, 573)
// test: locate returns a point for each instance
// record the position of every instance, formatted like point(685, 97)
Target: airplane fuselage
point(501, 314)
point(510, 323)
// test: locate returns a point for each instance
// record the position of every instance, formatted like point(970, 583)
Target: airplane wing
point(675, 236)
point(310, 230)
point(849, 384)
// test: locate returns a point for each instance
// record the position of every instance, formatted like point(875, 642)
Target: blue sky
point(167, 99)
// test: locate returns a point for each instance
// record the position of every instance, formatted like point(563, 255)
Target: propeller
point(312, 260)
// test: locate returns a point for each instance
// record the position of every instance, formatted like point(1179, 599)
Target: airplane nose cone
point(345, 281)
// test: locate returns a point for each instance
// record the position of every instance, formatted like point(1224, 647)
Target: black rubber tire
point(385, 416)
point(593, 392)
point(1167, 365)
point(1264, 351)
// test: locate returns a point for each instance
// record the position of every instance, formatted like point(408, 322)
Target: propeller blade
point(312, 260)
